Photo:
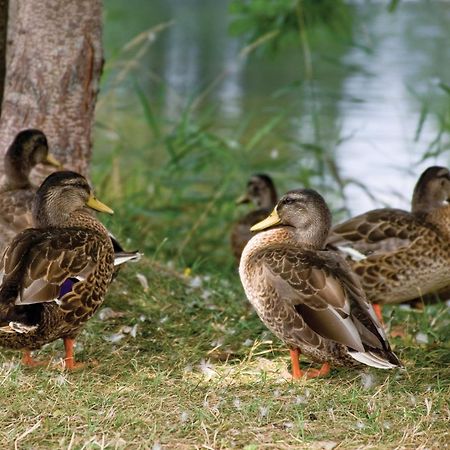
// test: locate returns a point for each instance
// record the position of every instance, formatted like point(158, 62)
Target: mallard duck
point(400, 255)
point(262, 193)
point(28, 149)
point(55, 275)
point(308, 296)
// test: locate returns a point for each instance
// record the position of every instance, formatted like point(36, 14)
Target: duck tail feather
point(375, 360)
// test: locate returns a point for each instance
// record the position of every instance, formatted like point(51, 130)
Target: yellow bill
point(98, 205)
point(242, 199)
point(52, 161)
point(271, 220)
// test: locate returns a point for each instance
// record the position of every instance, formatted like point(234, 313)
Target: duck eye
point(288, 201)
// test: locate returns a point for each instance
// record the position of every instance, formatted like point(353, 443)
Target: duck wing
point(324, 292)
point(377, 231)
point(37, 263)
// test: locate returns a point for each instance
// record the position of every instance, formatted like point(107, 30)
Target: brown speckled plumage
point(307, 296)
point(261, 193)
point(407, 254)
point(67, 243)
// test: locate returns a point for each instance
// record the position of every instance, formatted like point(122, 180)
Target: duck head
point(432, 190)
point(305, 212)
point(29, 148)
point(260, 191)
point(61, 194)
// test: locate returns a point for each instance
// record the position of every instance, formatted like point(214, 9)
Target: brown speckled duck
point(262, 193)
point(28, 149)
point(400, 255)
point(308, 296)
point(55, 275)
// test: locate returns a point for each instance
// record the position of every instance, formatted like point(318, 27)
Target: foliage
point(179, 196)
point(438, 94)
point(174, 180)
point(276, 23)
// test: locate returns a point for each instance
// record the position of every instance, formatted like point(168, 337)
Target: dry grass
point(202, 372)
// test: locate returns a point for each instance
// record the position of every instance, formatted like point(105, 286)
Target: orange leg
point(297, 373)
point(377, 308)
point(69, 360)
point(323, 371)
point(28, 360)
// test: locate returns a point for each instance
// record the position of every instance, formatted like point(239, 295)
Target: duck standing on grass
point(402, 255)
point(55, 275)
point(28, 149)
point(308, 296)
point(262, 193)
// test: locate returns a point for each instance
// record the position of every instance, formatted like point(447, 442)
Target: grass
point(203, 372)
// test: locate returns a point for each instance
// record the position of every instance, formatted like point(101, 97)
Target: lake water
point(363, 104)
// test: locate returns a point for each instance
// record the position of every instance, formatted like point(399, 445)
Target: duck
point(307, 295)
point(400, 256)
point(28, 149)
point(261, 192)
point(56, 274)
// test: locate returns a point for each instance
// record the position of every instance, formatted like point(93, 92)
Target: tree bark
point(3, 42)
point(54, 64)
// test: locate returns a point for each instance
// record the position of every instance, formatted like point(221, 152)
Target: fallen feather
point(114, 338)
point(109, 313)
point(368, 380)
point(421, 338)
point(132, 331)
point(206, 294)
point(184, 417)
point(263, 411)
point(237, 403)
point(207, 369)
point(60, 380)
point(143, 281)
point(218, 342)
point(195, 282)
point(301, 400)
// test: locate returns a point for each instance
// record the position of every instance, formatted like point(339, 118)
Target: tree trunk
point(3, 27)
point(54, 63)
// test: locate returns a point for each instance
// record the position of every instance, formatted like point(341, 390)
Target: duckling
point(55, 276)
point(28, 149)
point(308, 296)
point(402, 255)
point(262, 193)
